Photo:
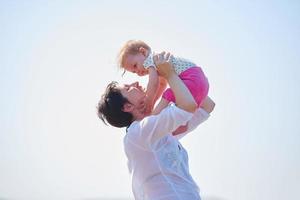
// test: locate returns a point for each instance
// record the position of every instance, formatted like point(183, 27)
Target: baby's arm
point(152, 87)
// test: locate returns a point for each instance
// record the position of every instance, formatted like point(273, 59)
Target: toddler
point(136, 57)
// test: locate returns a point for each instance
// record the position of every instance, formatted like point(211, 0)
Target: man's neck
point(138, 115)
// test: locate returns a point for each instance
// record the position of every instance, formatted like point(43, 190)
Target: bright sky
point(56, 59)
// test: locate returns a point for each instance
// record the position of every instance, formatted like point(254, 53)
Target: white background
point(57, 57)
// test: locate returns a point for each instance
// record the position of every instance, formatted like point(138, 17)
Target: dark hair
point(110, 107)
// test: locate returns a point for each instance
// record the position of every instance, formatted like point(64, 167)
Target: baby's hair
point(131, 47)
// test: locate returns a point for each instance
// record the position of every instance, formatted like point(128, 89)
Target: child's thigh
point(196, 82)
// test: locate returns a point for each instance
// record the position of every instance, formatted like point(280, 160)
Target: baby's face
point(134, 64)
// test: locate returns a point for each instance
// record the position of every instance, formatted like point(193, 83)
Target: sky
point(56, 58)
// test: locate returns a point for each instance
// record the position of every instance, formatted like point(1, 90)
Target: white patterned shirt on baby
point(179, 64)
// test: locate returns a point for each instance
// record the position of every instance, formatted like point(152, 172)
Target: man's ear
point(128, 107)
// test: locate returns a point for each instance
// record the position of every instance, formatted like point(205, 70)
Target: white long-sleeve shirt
point(156, 159)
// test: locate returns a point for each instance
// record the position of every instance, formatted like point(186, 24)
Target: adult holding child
point(156, 159)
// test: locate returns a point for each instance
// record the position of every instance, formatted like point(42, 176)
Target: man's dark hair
point(110, 107)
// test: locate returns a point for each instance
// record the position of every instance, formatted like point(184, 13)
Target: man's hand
point(163, 64)
point(180, 129)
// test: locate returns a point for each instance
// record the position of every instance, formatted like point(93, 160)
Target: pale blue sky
point(57, 57)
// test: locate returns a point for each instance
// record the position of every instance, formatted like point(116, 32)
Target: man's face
point(134, 93)
point(134, 64)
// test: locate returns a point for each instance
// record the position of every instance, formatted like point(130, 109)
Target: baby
point(136, 57)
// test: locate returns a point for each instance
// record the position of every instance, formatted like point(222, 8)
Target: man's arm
point(199, 117)
point(184, 98)
point(152, 88)
point(162, 84)
point(172, 117)
point(208, 104)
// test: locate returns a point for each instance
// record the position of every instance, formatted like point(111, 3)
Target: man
point(156, 159)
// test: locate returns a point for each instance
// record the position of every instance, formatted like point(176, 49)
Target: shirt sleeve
point(199, 117)
point(152, 128)
point(149, 62)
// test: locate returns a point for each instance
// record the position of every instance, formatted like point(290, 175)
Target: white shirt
point(179, 64)
point(156, 159)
